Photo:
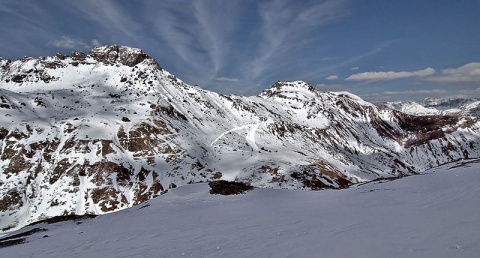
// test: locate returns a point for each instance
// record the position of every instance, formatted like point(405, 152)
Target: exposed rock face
point(90, 134)
point(228, 188)
point(113, 54)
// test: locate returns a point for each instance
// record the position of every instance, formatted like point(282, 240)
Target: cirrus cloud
point(225, 79)
point(383, 76)
point(332, 87)
point(396, 95)
point(71, 43)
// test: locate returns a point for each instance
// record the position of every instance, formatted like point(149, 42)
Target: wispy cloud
point(200, 39)
point(347, 62)
point(331, 87)
point(96, 43)
point(75, 44)
point(284, 26)
point(197, 32)
point(354, 68)
point(24, 27)
point(109, 15)
point(466, 73)
point(181, 39)
point(69, 43)
point(332, 77)
point(225, 79)
point(467, 93)
point(353, 60)
point(19, 9)
point(323, 59)
point(392, 95)
point(215, 26)
point(381, 76)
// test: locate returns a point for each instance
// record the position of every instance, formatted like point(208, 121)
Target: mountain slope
point(434, 106)
point(430, 215)
point(101, 132)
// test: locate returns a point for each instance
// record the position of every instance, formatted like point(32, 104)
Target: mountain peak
point(295, 89)
point(32, 70)
point(112, 53)
point(286, 85)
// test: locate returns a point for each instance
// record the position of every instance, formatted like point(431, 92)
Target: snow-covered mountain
point(434, 106)
point(431, 215)
point(91, 134)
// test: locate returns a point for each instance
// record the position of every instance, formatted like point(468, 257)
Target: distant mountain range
point(434, 106)
point(99, 132)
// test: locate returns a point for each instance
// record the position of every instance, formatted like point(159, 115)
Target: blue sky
point(378, 49)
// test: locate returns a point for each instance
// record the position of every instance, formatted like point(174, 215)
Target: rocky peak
point(78, 55)
point(288, 86)
point(113, 53)
point(295, 90)
point(32, 70)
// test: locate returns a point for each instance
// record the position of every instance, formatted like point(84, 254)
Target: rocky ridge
point(98, 132)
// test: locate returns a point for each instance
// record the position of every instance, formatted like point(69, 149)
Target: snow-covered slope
point(429, 215)
point(91, 134)
point(434, 106)
point(410, 107)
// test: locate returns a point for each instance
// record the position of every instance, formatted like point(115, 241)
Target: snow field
point(430, 215)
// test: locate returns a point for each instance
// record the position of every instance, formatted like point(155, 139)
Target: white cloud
point(74, 44)
point(332, 77)
point(380, 76)
point(355, 68)
point(96, 43)
point(467, 73)
point(69, 43)
point(225, 79)
point(328, 58)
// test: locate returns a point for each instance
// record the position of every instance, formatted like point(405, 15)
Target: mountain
point(99, 132)
point(435, 106)
point(431, 215)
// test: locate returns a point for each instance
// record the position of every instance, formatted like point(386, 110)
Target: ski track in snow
point(227, 132)
point(249, 138)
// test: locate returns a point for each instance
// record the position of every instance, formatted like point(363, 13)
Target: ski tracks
point(249, 138)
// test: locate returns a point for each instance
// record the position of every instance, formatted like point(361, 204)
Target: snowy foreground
point(436, 214)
